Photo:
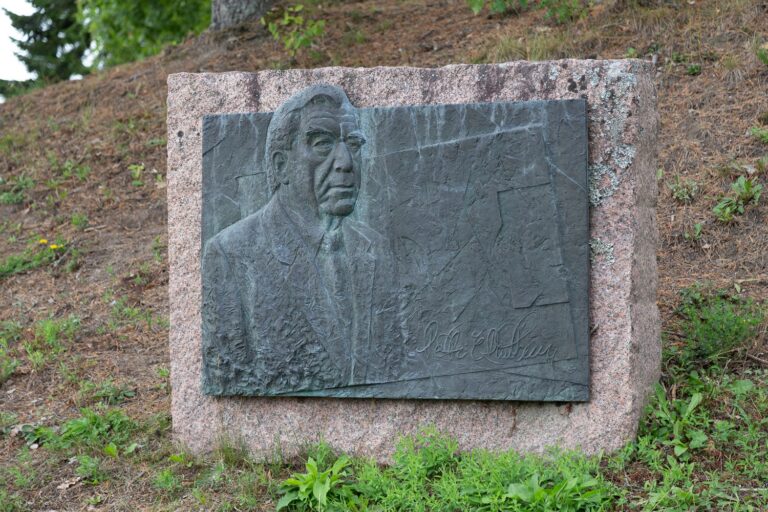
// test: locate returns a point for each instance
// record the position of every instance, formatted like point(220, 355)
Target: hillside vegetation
point(84, 390)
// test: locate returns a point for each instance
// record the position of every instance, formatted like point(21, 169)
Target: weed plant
point(89, 469)
point(14, 190)
point(10, 332)
point(684, 190)
point(694, 233)
point(712, 324)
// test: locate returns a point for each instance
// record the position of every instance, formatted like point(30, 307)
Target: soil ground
point(95, 149)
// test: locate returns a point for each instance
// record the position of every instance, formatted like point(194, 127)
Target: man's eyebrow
point(314, 130)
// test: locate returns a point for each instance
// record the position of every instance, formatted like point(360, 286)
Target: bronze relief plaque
point(435, 251)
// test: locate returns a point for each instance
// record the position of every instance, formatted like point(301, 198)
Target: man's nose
point(342, 159)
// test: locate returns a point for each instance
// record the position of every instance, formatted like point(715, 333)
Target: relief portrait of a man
point(292, 293)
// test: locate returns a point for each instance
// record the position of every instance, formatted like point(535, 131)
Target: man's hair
point(285, 121)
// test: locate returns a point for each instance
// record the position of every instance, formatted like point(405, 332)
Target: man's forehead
point(324, 114)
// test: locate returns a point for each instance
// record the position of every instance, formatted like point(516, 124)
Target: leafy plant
point(289, 27)
point(92, 429)
point(11, 502)
point(684, 190)
point(727, 208)
point(676, 425)
point(36, 357)
point(579, 492)
point(744, 191)
point(47, 342)
point(107, 392)
point(693, 69)
point(111, 394)
point(136, 171)
point(747, 190)
point(694, 234)
point(315, 489)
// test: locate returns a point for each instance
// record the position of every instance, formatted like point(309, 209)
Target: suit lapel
point(303, 282)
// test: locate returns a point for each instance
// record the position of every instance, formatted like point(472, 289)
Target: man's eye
point(323, 144)
point(355, 143)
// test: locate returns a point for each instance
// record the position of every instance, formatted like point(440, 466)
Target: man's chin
point(340, 208)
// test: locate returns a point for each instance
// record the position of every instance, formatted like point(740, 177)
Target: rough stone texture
point(625, 343)
point(226, 13)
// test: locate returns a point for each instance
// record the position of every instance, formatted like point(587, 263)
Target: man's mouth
point(340, 189)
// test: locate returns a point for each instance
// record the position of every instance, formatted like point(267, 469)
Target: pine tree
point(53, 41)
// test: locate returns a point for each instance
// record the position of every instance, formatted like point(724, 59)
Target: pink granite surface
point(625, 344)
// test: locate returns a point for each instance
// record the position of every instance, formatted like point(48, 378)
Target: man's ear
point(279, 161)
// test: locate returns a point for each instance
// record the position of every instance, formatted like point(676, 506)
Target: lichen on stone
point(601, 250)
point(554, 72)
point(605, 172)
point(597, 174)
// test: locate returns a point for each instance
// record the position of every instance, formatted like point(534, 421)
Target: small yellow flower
point(54, 246)
point(42, 241)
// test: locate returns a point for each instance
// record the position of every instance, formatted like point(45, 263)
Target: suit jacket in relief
point(269, 326)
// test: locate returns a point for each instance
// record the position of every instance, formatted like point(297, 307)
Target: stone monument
point(354, 250)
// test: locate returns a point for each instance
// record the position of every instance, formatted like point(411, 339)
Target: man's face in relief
point(326, 166)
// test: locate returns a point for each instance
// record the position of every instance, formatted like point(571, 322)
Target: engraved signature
point(448, 343)
point(499, 345)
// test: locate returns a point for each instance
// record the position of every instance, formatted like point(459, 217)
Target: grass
point(535, 47)
point(79, 220)
point(47, 340)
point(759, 133)
point(10, 332)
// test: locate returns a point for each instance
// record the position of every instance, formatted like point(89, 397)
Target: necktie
point(336, 267)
